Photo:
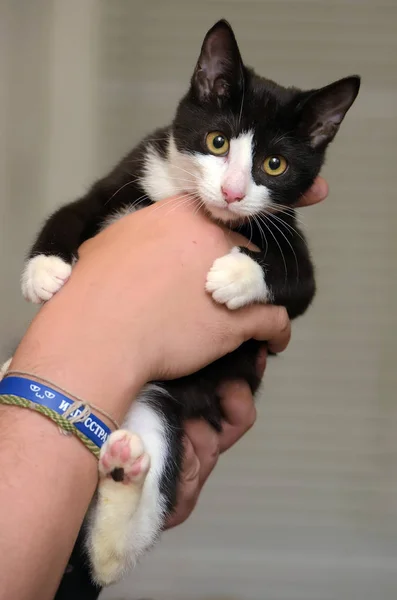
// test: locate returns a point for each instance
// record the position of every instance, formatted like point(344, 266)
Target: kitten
point(247, 148)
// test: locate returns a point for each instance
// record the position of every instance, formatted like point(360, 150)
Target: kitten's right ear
point(322, 111)
point(219, 69)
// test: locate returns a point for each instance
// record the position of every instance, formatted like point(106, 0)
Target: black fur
point(224, 95)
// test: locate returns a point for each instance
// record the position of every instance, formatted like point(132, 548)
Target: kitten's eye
point(275, 165)
point(217, 143)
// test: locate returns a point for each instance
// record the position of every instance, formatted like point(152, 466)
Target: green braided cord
point(63, 423)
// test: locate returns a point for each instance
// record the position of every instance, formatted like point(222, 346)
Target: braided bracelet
point(70, 413)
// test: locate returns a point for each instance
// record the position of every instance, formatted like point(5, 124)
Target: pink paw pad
point(123, 458)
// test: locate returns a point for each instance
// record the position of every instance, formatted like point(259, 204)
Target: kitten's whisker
point(289, 227)
point(180, 179)
point(119, 190)
point(163, 203)
point(289, 244)
point(284, 136)
point(200, 205)
point(181, 200)
point(261, 233)
point(287, 210)
point(276, 240)
point(242, 96)
point(251, 233)
point(184, 170)
point(174, 208)
point(137, 201)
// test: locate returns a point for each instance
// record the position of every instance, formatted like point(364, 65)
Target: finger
point(205, 442)
point(201, 455)
point(317, 193)
point(202, 442)
point(267, 324)
point(238, 406)
point(188, 486)
point(239, 413)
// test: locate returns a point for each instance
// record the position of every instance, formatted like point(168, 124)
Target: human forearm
point(47, 481)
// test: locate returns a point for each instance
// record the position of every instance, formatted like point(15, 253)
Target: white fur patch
point(119, 214)
point(203, 175)
point(232, 169)
point(43, 276)
point(236, 280)
point(158, 180)
point(125, 521)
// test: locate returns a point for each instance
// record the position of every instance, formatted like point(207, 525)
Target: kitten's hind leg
point(123, 466)
point(129, 515)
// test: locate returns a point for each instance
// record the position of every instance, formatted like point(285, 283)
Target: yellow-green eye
point(217, 143)
point(275, 165)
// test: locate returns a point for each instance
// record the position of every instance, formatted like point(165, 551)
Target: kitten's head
point(242, 142)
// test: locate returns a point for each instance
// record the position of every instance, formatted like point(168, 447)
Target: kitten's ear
point(322, 111)
point(219, 69)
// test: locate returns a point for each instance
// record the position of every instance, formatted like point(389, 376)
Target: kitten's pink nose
point(231, 194)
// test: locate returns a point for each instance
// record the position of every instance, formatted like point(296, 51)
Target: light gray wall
point(47, 117)
point(305, 508)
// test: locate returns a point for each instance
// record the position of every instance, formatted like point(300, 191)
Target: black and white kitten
point(247, 148)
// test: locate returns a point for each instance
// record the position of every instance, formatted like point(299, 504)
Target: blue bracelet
point(92, 427)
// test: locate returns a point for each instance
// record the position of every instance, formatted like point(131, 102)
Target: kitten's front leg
point(55, 250)
point(236, 280)
point(43, 276)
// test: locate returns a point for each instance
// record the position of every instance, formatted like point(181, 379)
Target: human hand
point(123, 312)
point(136, 305)
point(203, 444)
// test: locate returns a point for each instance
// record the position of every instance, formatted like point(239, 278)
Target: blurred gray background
point(305, 507)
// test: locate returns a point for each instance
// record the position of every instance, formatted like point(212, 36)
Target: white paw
point(43, 277)
point(4, 368)
point(123, 458)
point(236, 280)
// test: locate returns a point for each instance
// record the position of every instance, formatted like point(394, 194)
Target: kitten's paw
point(4, 368)
point(43, 277)
point(236, 280)
point(123, 458)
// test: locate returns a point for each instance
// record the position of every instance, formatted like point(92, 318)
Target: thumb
point(267, 324)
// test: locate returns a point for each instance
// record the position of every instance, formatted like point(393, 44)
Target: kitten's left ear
point(322, 111)
point(219, 69)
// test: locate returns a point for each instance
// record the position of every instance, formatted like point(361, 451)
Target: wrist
point(69, 352)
